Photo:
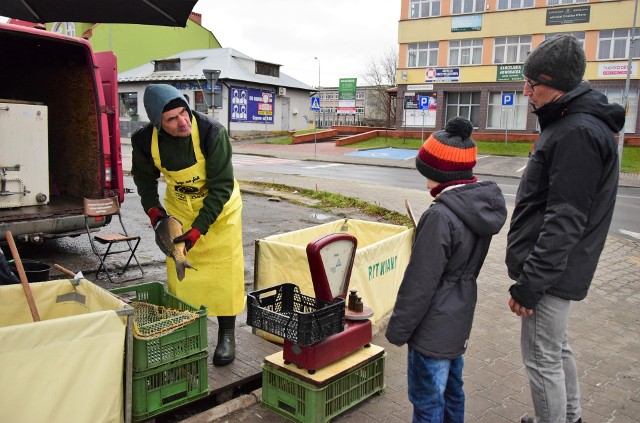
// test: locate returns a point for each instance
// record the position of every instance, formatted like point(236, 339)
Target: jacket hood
point(583, 99)
point(480, 206)
point(156, 96)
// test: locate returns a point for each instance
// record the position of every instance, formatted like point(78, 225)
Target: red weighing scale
point(330, 262)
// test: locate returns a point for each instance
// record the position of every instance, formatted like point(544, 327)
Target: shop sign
point(442, 75)
point(568, 15)
point(251, 105)
point(347, 96)
point(617, 70)
point(510, 73)
point(466, 23)
point(418, 87)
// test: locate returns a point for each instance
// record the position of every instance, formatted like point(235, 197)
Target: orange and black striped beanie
point(450, 154)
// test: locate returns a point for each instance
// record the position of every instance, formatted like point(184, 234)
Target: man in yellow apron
point(193, 153)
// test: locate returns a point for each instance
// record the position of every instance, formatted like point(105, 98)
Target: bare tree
point(381, 75)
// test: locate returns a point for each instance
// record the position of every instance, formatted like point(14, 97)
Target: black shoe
point(225, 351)
point(527, 419)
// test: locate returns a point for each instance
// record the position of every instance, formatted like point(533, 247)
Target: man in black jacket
point(563, 210)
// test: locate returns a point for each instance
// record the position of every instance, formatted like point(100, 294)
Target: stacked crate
point(170, 370)
point(293, 392)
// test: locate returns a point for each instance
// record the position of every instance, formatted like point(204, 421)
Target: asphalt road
point(263, 215)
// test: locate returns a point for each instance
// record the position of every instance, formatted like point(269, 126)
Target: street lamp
point(315, 126)
point(625, 93)
point(318, 72)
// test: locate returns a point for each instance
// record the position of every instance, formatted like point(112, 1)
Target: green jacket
point(178, 153)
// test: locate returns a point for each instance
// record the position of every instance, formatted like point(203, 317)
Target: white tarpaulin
point(381, 258)
point(68, 367)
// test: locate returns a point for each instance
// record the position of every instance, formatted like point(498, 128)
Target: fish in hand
point(167, 229)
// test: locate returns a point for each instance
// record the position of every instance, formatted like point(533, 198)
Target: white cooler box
point(24, 155)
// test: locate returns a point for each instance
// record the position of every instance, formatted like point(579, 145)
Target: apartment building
point(465, 57)
point(371, 107)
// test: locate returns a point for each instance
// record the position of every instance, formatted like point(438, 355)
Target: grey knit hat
point(558, 62)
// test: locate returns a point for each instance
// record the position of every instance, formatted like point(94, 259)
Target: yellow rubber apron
point(219, 281)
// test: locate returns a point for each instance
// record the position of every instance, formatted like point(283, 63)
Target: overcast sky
point(345, 35)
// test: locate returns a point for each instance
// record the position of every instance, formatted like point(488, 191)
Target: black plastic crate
point(283, 311)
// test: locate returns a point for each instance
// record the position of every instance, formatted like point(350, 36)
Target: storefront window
point(128, 105)
point(615, 96)
point(514, 117)
point(465, 104)
point(200, 105)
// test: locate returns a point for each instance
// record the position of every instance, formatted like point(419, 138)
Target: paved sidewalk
point(604, 330)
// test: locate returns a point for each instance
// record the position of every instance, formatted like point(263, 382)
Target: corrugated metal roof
point(232, 64)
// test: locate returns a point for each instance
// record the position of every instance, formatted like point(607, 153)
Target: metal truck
point(59, 133)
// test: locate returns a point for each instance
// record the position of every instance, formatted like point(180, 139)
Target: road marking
point(323, 166)
point(635, 235)
point(246, 161)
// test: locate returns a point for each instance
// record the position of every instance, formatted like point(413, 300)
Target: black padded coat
point(565, 200)
point(437, 297)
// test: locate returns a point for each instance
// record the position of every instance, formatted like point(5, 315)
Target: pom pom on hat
point(449, 155)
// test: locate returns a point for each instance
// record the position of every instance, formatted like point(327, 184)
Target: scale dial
point(330, 262)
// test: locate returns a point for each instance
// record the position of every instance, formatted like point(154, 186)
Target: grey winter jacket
point(437, 297)
point(566, 197)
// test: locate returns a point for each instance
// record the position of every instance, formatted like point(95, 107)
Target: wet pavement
point(604, 328)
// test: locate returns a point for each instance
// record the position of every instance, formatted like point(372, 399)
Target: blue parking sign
point(507, 99)
point(423, 102)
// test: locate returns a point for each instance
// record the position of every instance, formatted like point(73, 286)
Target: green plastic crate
point(167, 387)
point(303, 402)
point(182, 342)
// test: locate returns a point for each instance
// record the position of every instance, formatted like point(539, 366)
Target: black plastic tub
point(36, 271)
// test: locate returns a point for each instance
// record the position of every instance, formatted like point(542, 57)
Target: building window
point(359, 95)
point(511, 49)
point(128, 104)
point(578, 36)
point(557, 2)
point(423, 54)
point(459, 7)
point(615, 96)
point(514, 4)
point(424, 8)
point(199, 102)
point(170, 65)
point(65, 28)
point(267, 69)
point(465, 104)
point(614, 44)
point(465, 52)
point(360, 110)
point(499, 117)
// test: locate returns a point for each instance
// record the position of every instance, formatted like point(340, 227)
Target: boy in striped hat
point(436, 301)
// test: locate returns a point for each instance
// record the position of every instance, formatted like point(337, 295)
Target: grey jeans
point(549, 362)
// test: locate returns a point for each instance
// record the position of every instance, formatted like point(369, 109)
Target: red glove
point(189, 238)
point(156, 214)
